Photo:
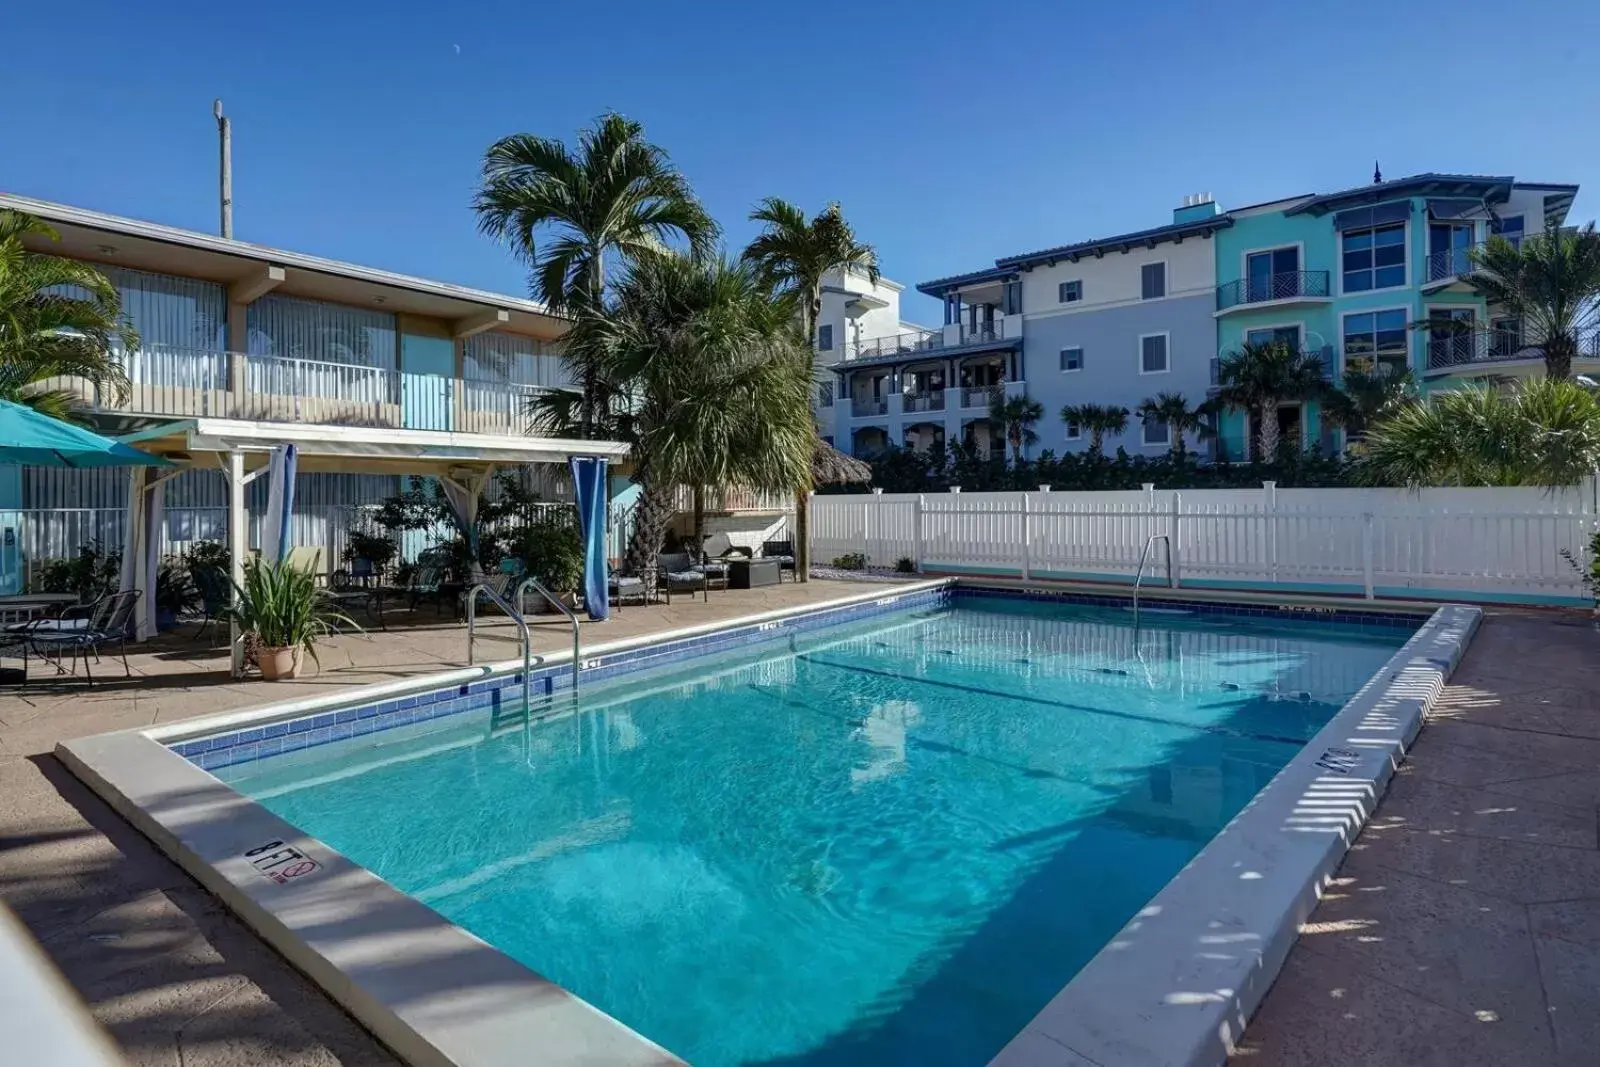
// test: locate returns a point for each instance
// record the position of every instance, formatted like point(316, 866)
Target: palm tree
point(1180, 418)
point(718, 384)
point(59, 320)
point(792, 255)
point(1364, 397)
point(1544, 432)
point(1097, 420)
point(575, 216)
point(1258, 377)
point(1016, 418)
point(1551, 282)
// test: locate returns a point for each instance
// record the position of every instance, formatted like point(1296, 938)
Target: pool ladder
point(512, 608)
point(1144, 557)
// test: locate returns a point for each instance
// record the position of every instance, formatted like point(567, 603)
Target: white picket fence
point(1488, 544)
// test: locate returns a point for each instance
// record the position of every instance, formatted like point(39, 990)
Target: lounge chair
point(677, 571)
point(715, 554)
point(783, 552)
point(108, 621)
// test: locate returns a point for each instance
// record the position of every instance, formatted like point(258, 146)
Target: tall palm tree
point(1096, 420)
point(1258, 377)
point(1551, 281)
point(59, 321)
point(574, 216)
point(1181, 419)
point(792, 255)
point(1016, 418)
point(719, 385)
point(1364, 397)
point(1544, 432)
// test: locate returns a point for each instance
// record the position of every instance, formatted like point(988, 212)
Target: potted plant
point(283, 614)
point(376, 550)
point(551, 553)
point(175, 593)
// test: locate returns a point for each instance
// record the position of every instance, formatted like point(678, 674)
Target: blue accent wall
point(427, 371)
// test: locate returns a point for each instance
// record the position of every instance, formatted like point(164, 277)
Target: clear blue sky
point(950, 132)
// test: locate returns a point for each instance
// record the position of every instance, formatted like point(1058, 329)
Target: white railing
point(733, 498)
point(932, 400)
point(895, 344)
point(1437, 543)
point(981, 396)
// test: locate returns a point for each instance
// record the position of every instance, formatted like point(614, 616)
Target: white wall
point(1115, 279)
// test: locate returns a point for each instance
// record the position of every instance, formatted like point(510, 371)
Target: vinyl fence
point(1486, 544)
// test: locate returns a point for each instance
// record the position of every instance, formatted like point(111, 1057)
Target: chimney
point(1196, 207)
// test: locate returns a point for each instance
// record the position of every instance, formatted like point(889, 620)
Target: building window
point(1275, 335)
point(1273, 274)
point(1074, 431)
point(1505, 337)
point(1011, 298)
point(1375, 258)
point(825, 338)
point(825, 395)
point(1153, 281)
point(1510, 227)
point(1156, 433)
point(1153, 354)
point(1072, 359)
point(1070, 292)
point(1376, 341)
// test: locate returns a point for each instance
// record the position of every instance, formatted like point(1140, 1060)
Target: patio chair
point(783, 552)
point(676, 570)
point(429, 581)
point(715, 554)
point(624, 587)
point(358, 585)
point(110, 620)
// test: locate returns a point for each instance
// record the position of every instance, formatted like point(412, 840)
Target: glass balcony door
point(1273, 275)
point(1448, 247)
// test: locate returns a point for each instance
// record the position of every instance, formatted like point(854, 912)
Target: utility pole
point(225, 136)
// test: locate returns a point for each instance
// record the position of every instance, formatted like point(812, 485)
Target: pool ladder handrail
point(516, 617)
point(1138, 576)
point(531, 582)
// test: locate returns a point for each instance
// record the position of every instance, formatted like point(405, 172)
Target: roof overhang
point(941, 286)
point(1492, 190)
point(358, 449)
point(250, 271)
point(1127, 242)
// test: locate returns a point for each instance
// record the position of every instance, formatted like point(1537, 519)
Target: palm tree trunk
point(1268, 433)
point(651, 517)
point(699, 514)
point(802, 536)
point(1096, 442)
point(1558, 353)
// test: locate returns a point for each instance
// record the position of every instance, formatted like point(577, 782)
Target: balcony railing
point(1450, 263)
point(932, 400)
point(1288, 285)
point(1325, 355)
point(984, 331)
point(863, 406)
point(1456, 348)
point(981, 396)
point(895, 344)
point(197, 383)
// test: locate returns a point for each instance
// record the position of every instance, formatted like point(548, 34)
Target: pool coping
point(1178, 984)
point(439, 996)
point(435, 994)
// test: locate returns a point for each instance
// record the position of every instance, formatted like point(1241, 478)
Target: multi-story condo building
point(853, 308)
point(233, 330)
point(1353, 277)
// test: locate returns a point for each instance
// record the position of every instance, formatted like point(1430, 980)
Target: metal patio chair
point(108, 621)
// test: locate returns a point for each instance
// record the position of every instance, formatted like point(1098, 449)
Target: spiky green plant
point(1365, 397)
point(282, 607)
point(792, 254)
point(1174, 410)
point(1257, 377)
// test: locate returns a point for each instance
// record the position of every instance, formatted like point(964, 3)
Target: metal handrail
point(516, 617)
point(1138, 575)
point(559, 606)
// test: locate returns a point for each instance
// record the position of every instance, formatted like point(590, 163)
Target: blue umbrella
point(34, 440)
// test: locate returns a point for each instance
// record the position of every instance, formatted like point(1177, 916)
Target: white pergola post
point(238, 547)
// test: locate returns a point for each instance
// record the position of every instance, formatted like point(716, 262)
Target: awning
point(1362, 218)
point(1457, 210)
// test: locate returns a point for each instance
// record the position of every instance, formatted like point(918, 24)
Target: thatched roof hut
point(829, 466)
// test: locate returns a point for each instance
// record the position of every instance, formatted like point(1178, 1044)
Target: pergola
point(242, 449)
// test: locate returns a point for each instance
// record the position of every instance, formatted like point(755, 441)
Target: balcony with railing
point(1286, 287)
point(197, 383)
point(1462, 349)
point(981, 396)
point(956, 336)
point(930, 400)
point(905, 343)
point(862, 407)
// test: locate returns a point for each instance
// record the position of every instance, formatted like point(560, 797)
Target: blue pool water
point(887, 843)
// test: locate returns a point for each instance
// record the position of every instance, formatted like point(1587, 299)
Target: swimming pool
point(888, 841)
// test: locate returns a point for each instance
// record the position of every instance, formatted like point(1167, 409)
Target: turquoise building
point(1354, 277)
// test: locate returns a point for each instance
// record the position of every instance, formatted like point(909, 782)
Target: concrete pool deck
point(178, 980)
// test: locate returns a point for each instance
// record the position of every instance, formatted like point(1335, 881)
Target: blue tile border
point(258, 742)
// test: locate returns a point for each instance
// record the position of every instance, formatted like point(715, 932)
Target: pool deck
point(1462, 929)
point(177, 980)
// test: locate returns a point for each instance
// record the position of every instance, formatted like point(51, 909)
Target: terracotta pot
point(279, 663)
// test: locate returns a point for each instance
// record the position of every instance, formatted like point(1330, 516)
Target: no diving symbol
point(1339, 760)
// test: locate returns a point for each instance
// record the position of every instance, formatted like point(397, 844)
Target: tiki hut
point(829, 466)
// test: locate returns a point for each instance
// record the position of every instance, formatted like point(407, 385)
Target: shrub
point(552, 553)
point(175, 589)
point(905, 565)
point(1588, 572)
point(379, 551)
point(91, 574)
point(851, 561)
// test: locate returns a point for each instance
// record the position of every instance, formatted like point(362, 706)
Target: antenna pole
point(225, 139)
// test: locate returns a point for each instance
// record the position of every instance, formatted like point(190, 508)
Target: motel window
point(825, 338)
point(1376, 340)
point(1374, 258)
point(1152, 281)
point(1074, 431)
point(1153, 354)
point(1071, 292)
point(1071, 359)
point(1156, 433)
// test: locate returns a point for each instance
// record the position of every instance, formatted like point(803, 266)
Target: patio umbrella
point(829, 466)
point(34, 440)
